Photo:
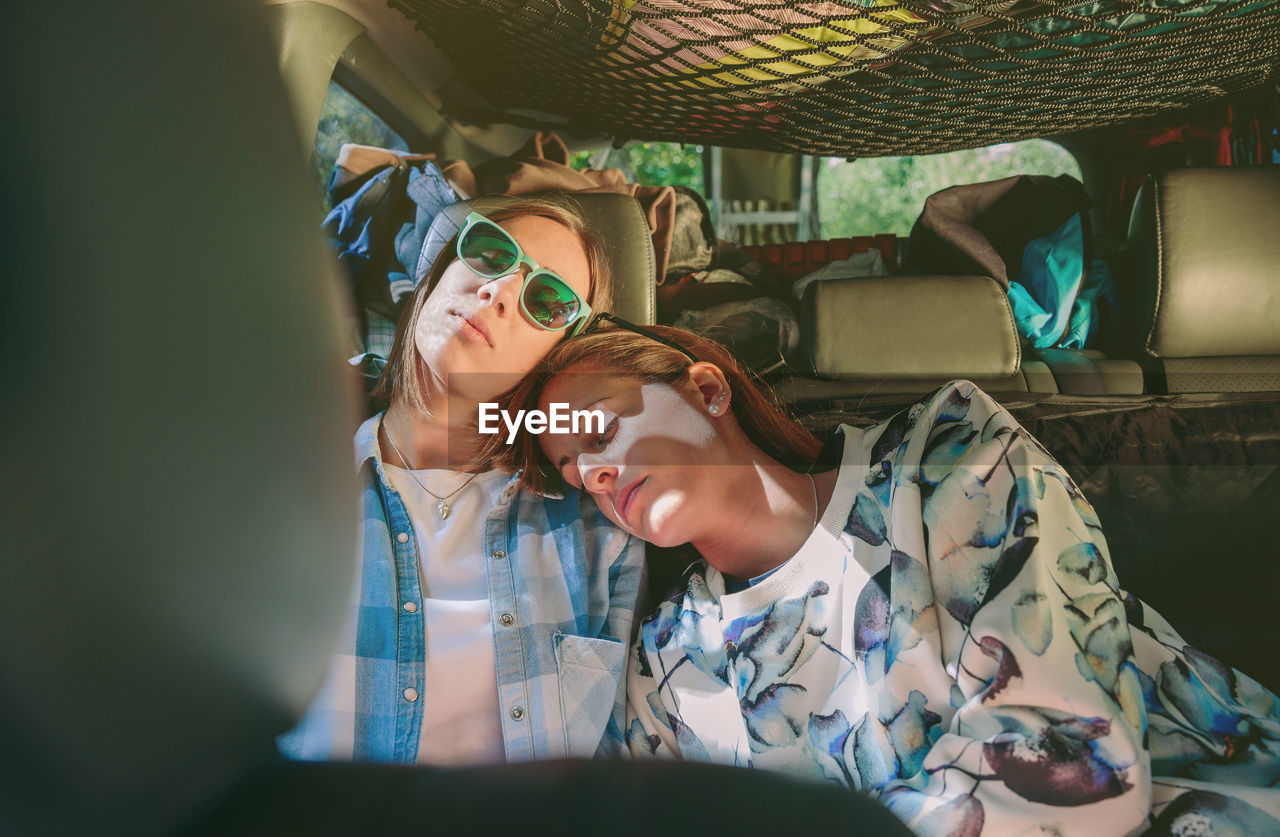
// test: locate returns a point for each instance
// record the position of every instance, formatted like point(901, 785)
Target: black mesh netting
point(879, 77)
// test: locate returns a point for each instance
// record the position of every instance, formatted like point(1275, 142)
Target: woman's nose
point(501, 293)
point(598, 476)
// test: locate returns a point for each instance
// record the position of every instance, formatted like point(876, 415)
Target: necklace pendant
point(443, 509)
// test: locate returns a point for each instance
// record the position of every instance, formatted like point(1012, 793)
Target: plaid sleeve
point(580, 576)
point(625, 577)
point(380, 334)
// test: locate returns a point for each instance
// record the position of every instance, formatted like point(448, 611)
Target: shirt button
point(499, 554)
point(403, 537)
point(411, 694)
point(410, 607)
point(507, 620)
point(517, 713)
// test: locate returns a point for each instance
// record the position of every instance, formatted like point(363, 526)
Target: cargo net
point(852, 79)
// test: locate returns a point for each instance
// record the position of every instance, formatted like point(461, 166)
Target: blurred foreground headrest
point(178, 502)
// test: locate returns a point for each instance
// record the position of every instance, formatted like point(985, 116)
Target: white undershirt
point(460, 714)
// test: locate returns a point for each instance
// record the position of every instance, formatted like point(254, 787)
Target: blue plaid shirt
point(567, 575)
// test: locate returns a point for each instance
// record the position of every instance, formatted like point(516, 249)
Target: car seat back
point(1203, 279)
point(903, 336)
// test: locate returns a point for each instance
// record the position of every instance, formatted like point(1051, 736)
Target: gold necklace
point(442, 503)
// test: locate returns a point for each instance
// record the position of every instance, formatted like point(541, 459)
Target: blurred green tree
point(652, 163)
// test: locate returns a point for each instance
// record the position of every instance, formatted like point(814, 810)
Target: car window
point(650, 163)
point(885, 194)
point(344, 118)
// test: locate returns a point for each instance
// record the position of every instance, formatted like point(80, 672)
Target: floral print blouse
point(953, 640)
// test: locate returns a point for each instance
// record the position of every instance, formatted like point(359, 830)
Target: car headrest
point(910, 327)
point(1202, 277)
point(618, 220)
point(179, 507)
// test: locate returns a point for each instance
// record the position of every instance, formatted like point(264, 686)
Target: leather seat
point(1202, 283)
point(906, 336)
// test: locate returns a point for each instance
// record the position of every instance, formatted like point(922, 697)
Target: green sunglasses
point(546, 299)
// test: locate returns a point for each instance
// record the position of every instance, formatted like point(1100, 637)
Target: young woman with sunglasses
point(489, 624)
point(924, 610)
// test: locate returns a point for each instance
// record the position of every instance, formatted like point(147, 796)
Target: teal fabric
point(1086, 321)
point(1054, 302)
point(1052, 273)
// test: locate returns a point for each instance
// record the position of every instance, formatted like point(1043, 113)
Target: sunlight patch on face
point(663, 509)
point(436, 326)
point(668, 416)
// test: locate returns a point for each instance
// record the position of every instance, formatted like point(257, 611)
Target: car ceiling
point(852, 79)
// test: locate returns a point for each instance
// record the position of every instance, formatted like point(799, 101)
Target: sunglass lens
point(551, 302)
point(488, 250)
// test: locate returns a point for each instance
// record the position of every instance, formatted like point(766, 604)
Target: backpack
point(1031, 233)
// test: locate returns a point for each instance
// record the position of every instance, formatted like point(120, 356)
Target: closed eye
point(568, 465)
point(602, 440)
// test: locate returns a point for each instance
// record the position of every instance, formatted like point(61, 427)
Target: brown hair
point(402, 378)
point(754, 406)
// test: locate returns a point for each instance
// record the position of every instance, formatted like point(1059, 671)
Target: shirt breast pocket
point(589, 670)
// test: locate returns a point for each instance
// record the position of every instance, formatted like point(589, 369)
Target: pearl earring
point(714, 409)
